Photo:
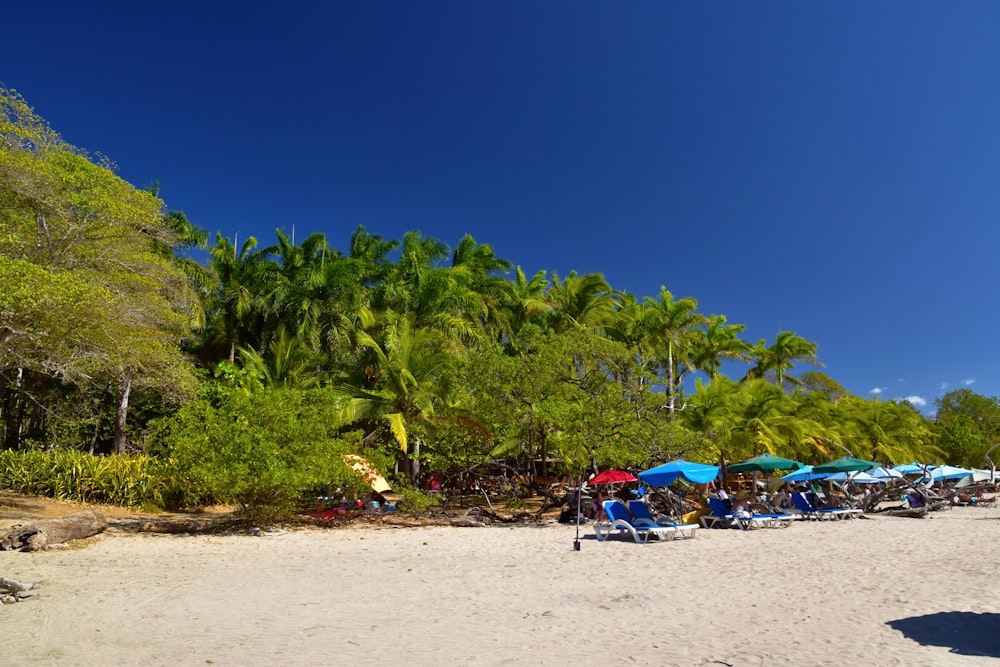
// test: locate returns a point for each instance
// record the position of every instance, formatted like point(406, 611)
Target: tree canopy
point(435, 355)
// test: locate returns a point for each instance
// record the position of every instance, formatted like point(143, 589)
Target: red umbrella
point(611, 477)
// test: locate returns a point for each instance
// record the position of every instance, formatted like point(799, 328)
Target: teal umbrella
point(846, 464)
point(765, 463)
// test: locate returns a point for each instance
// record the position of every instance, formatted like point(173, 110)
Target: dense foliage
point(401, 350)
point(261, 450)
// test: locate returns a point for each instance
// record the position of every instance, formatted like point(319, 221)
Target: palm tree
point(669, 327)
point(485, 274)
point(529, 302)
point(712, 410)
point(371, 255)
point(238, 297)
point(313, 288)
point(582, 302)
point(781, 356)
point(889, 431)
point(770, 421)
point(287, 363)
point(404, 385)
point(716, 341)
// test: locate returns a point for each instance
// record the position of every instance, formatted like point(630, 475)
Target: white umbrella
point(884, 474)
point(856, 477)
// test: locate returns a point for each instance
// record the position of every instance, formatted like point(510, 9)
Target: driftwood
point(911, 512)
point(10, 591)
point(174, 526)
point(50, 532)
point(413, 522)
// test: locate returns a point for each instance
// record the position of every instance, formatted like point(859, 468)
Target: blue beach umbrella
point(803, 474)
point(949, 472)
point(910, 468)
point(667, 474)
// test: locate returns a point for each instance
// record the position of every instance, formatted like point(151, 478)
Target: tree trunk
point(13, 408)
point(414, 462)
point(54, 531)
point(121, 415)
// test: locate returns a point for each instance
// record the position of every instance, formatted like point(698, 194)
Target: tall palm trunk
point(671, 389)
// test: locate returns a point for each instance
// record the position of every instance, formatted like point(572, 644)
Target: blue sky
point(827, 168)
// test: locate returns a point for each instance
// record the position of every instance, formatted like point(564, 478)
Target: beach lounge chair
point(640, 529)
point(640, 511)
point(804, 504)
point(723, 517)
point(773, 518)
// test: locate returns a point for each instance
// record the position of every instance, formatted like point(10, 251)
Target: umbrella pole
point(579, 499)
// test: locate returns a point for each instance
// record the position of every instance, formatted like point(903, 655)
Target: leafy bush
point(128, 481)
point(262, 450)
point(413, 501)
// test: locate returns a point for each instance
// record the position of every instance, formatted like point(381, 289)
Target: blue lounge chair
point(640, 512)
point(804, 504)
point(722, 516)
point(640, 530)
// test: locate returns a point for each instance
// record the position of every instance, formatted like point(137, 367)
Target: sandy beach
point(874, 591)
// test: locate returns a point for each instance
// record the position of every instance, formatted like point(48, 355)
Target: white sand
point(817, 593)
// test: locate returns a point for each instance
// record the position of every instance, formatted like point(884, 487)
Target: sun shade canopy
point(667, 474)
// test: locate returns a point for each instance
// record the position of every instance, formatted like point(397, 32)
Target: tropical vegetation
point(246, 371)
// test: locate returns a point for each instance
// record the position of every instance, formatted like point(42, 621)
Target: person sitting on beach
point(741, 506)
point(597, 512)
point(781, 501)
point(830, 501)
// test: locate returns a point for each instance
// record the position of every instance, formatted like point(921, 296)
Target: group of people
point(821, 495)
point(591, 508)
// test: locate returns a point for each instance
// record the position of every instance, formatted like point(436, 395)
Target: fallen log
point(912, 512)
point(466, 521)
point(175, 526)
point(10, 590)
point(50, 532)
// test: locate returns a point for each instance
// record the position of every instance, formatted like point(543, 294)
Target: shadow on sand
point(963, 632)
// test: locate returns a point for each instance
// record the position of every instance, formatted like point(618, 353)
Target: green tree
point(717, 341)
point(405, 383)
point(262, 450)
point(529, 304)
point(966, 426)
point(781, 356)
point(238, 300)
point(582, 302)
point(101, 239)
point(891, 432)
point(670, 326)
point(287, 362)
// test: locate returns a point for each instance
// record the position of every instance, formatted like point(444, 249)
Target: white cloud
point(877, 390)
point(916, 401)
point(945, 385)
point(969, 381)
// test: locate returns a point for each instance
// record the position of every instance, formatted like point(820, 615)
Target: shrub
point(261, 451)
point(67, 474)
